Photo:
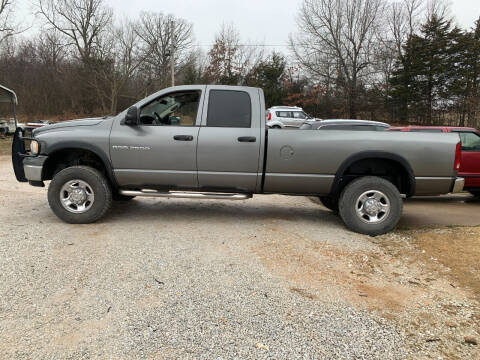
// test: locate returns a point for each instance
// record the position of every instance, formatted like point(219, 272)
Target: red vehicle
point(470, 160)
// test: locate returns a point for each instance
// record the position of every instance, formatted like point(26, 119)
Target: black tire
point(475, 193)
point(119, 197)
point(349, 201)
point(98, 183)
point(276, 127)
point(330, 203)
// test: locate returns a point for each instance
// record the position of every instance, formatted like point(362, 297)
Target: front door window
point(177, 109)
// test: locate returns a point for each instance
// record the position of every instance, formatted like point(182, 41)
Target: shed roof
point(7, 95)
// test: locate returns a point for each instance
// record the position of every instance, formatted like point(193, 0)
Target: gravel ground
point(268, 278)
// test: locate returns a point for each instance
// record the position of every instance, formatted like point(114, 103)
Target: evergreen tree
point(422, 80)
point(269, 74)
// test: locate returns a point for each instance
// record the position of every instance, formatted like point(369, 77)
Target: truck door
point(228, 154)
point(470, 161)
point(160, 151)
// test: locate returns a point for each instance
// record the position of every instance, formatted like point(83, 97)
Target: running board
point(185, 195)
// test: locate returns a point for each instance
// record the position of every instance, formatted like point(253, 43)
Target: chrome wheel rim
point(372, 207)
point(77, 196)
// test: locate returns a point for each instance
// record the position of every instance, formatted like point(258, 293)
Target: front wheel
point(79, 195)
point(329, 202)
point(371, 205)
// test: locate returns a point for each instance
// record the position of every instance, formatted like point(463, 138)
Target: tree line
point(401, 62)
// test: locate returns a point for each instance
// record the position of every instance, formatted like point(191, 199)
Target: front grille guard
point(20, 144)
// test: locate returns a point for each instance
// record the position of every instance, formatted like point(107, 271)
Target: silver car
point(345, 124)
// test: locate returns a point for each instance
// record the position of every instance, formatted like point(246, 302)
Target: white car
point(280, 117)
point(7, 126)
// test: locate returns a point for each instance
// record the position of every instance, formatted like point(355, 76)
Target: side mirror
point(131, 118)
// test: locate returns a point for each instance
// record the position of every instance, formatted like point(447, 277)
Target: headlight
point(34, 147)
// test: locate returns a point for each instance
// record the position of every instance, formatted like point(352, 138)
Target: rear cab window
point(229, 108)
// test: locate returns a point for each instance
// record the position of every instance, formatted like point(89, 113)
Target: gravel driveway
point(170, 279)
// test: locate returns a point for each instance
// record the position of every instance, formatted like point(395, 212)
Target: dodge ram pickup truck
point(211, 142)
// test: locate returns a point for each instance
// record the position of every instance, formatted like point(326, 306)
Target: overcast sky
point(259, 21)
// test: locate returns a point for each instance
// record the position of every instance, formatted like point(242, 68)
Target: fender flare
point(81, 145)
point(374, 155)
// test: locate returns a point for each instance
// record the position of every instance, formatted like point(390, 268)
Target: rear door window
point(470, 141)
point(229, 108)
point(284, 114)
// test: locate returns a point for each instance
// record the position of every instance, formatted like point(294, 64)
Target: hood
point(69, 124)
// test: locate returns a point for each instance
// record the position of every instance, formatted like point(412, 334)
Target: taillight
point(458, 156)
point(269, 116)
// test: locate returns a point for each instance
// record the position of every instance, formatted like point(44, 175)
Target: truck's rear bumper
point(33, 167)
point(458, 185)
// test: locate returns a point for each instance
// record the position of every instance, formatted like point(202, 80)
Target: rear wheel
point(79, 195)
point(329, 202)
point(370, 205)
point(276, 127)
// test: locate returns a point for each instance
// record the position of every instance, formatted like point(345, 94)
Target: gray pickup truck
point(211, 142)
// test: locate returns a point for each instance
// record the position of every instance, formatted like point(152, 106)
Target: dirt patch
point(443, 262)
point(427, 282)
point(6, 145)
point(458, 250)
point(324, 271)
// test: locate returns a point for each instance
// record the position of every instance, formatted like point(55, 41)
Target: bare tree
point(122, 57)
point(82, 22)
point(229, 60)
point(337, 39)
point(403, 20)
point(51, 49)
point(155, 31)
point(7, 29)
point(438, 8)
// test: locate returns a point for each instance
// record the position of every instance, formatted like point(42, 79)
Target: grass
point(6, 145)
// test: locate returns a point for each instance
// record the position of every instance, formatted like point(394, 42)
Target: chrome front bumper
point(33, 172)
point(33, 167)
point(458, 185)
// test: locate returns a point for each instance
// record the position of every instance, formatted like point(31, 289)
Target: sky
point(266, 22)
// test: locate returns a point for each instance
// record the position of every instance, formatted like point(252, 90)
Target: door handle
point(183, 137)
point(247, 139)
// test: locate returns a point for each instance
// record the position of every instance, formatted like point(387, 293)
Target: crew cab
point(211, 142)
point(470, 158)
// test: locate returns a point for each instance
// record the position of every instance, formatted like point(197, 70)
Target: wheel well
point(64, 158)
point(389, 169)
